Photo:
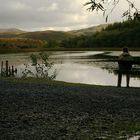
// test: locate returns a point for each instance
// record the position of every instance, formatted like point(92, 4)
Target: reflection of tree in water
point(106, 64)
point(110, 63)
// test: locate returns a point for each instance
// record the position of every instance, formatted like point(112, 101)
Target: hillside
point(11, 30)
point(89, 31)
point(8, 35)
point(13, 40)
point(48, 35)
point(115, 35)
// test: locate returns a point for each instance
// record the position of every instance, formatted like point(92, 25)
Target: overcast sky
point(34, 15)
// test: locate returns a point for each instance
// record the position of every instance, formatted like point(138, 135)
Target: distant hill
point(10, 33)
point(115, 35)
point(11, 30)
point(89, 31)
point(49, 34)
point(46, 35)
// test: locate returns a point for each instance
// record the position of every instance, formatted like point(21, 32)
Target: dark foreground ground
point(62, 112)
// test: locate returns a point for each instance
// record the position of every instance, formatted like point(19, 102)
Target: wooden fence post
point(2, 68)
point(12, 70)
point(7, 68)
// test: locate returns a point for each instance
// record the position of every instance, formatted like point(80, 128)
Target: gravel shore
point(50, 112)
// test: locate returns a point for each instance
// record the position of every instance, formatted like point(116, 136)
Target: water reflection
point(78, 67)
point(81, 73)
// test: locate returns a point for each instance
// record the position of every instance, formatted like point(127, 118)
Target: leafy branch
point(108, 6)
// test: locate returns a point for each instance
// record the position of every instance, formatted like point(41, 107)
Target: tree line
point(20, 43)
point(115, 35)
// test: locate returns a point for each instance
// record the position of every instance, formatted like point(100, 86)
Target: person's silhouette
point(125, 66)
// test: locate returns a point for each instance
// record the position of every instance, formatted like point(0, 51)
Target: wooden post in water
point(12, 70)
point(6, 68)
point(2, 68)
point(15, 70)
point(9, 74)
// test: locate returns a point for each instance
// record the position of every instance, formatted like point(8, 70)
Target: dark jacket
point(125, 62)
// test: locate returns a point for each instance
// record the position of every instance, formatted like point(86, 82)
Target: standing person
point(125, 66)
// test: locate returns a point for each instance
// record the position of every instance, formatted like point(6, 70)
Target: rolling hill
point(49, 34)
point(11, 30)
point(114, 35)
point(13, 40)
point(46, 35)
point(89, 31)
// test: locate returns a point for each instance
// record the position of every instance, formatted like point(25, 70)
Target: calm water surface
point(77, 67)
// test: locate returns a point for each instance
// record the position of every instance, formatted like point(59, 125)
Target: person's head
point(125, 49)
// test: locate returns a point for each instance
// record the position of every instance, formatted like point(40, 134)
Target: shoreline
point(5, 51)
point(56, 82)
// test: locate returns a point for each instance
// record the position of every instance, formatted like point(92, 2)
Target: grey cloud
point(57, 14)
